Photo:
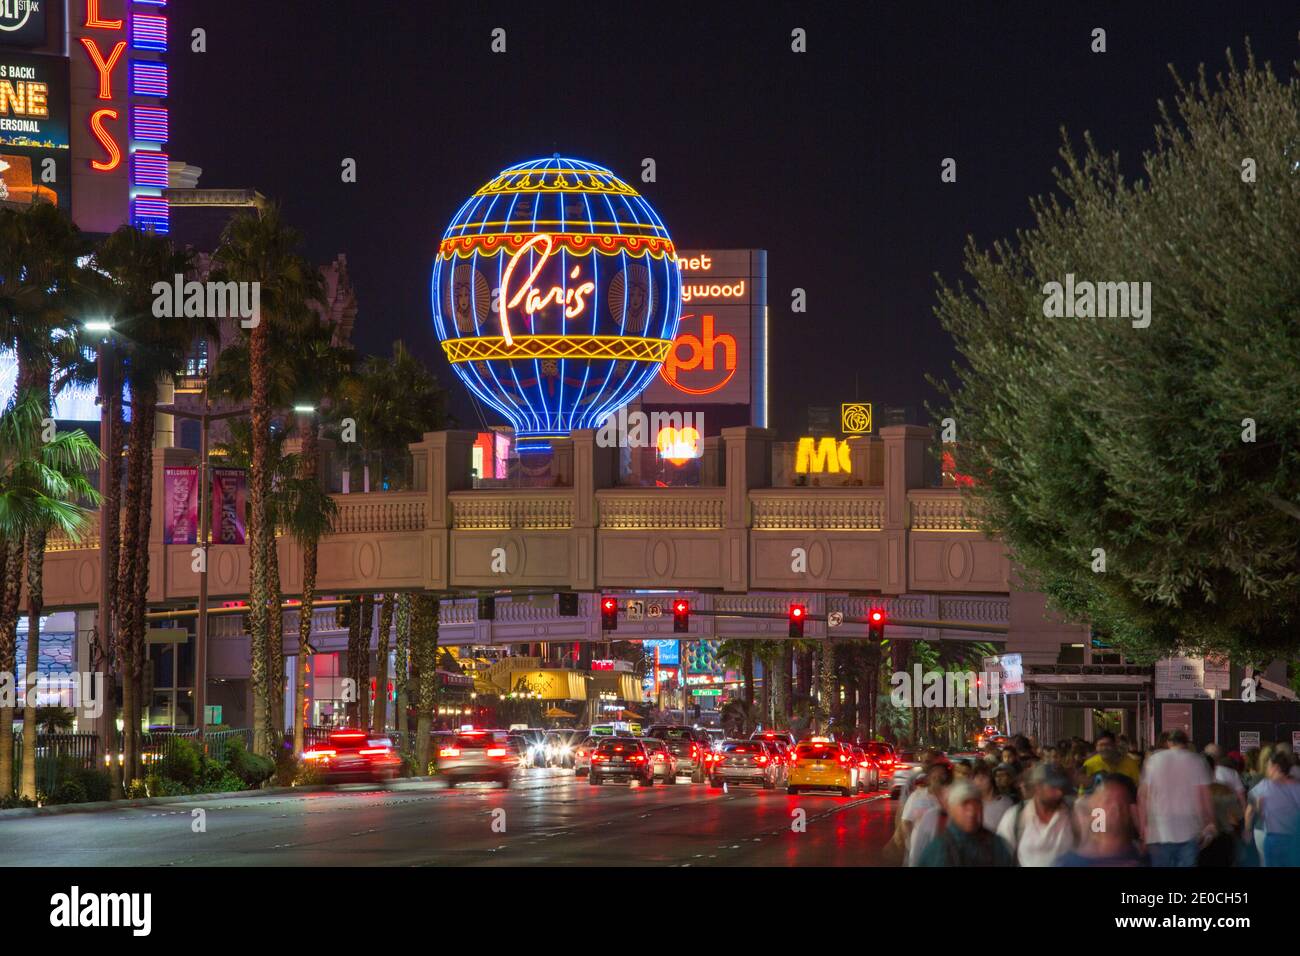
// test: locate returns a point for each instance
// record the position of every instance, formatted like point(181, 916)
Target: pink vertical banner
point(229, 501)
point(180, 505)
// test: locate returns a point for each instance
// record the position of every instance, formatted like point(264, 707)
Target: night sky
point(830, 159)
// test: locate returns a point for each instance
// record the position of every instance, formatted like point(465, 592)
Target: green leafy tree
point(1148, 478)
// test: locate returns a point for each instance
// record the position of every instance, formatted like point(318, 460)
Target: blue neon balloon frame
point(637, 295)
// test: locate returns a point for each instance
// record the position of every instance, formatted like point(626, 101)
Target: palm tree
point(263, 249)
point(41, 286)
point(305, 368)
point(318, 370)
point(150, 348)
point(424, 647)
point(402, 670)
point(42, 487)
point(379, 718)
point(237, 452)
point(394, 401)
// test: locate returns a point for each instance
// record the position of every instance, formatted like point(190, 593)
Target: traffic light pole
point(891, 622)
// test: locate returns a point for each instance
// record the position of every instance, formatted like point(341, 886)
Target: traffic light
point(876, 624)
point(797, 614)
point(568, 603)
point(609, 613)
point(681, 616)
point(487, 608)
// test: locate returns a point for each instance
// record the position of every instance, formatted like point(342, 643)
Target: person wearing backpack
point(960, 838)
point(1042, 829)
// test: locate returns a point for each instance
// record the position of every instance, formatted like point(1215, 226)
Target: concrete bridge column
point(748, 464)
point(593, 468)
point(441, 463)
point(904, 469)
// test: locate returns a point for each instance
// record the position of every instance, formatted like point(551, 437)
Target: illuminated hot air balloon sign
point(556, 296)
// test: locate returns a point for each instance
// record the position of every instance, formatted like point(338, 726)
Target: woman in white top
point(995, 804)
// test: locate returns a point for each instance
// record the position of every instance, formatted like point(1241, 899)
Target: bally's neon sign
point(104, 66)
point(573, 299)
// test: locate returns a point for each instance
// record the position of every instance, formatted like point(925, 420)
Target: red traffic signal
point(609, 614)
point(681, 616)
point(798, 612)
point(876, 624)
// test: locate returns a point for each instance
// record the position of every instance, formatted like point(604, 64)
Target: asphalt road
point(550, 819)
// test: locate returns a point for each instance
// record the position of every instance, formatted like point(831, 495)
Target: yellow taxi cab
point(820, 763)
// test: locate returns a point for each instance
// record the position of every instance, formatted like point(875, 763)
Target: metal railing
point(58, 756)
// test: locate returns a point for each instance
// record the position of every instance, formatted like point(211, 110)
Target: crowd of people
point(1103, 804)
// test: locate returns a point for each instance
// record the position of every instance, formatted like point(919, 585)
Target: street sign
point(654, 610)
point(707, 691)
point(834, 618)
point(1247, 740)
point(1013, 674)
point(635, 610)
point(166, 635)
point(212, 714)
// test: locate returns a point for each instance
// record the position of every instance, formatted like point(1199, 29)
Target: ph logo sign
point(714, 354)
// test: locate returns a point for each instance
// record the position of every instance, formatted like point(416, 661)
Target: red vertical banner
point(180, 505)
point(229, 501)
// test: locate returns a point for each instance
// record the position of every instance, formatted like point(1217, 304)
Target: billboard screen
point(35, 152)
point(22, 22)
point(719, 356)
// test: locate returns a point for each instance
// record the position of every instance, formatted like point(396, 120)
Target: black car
point(621, 758)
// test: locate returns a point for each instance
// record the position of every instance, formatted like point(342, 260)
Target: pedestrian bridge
point(736, 537)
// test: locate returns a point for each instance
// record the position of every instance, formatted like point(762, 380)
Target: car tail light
point(761, 759)
point(597, 757)
point(319, 754)
point(373, 751)
point(449, 752)
point(496, 751)
point(844, 758)
point(579, 753)
point(637, 758)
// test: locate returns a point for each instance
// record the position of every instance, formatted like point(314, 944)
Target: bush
point(286, 767)
point(13, 802)
point(183, 763)
point(251, 768)
point(95, 782)
point(69, 791)
point(159, 786)
point(307, 775)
